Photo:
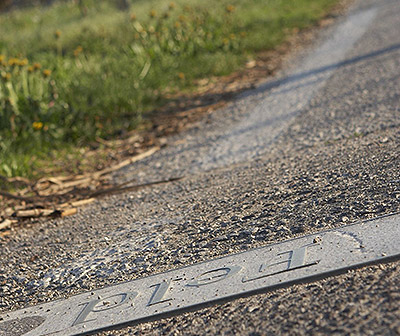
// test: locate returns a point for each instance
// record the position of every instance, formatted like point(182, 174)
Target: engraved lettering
point(107, 303)
point(296, 259)
point(159, 293)
point(213, 276)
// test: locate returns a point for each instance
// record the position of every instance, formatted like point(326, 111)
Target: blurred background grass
point(76, 70)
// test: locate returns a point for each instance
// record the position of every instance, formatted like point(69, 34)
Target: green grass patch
point(70, 73)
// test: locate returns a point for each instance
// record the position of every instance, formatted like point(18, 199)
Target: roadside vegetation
point(77, 71)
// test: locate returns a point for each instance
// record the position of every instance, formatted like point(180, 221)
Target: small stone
point(317, 240)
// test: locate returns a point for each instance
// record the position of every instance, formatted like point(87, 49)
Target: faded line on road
point(294, 261)
point(256, 132)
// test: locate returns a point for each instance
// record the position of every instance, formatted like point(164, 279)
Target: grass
point(72, 73)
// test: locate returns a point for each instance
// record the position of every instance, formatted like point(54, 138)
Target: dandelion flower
point(230, 9)
point(23, 62)
point(177, 24)
point(77, 51)
point(37, 125)
point(31, 69)
point(133, 17)
point(153, 13)
point(46, 73)
point(181, 75)
point(2, 58)
point(13, 61)
point(37, 66)
point(57, 34)
point(171, 5)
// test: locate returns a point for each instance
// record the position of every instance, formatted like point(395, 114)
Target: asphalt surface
point(313, 148)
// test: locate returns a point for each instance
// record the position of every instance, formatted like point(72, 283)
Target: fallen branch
point(5, 224)
point(60, 196)
point(17, 197)
point(34, 213)
point(15, 180)
point(69, 212)
point(77, 203)
point(119, 189)
point(127, 162)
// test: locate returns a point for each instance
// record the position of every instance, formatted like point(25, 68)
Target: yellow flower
point(77, 51)
point(31, 69)
point(177, 24)
point(181, 18)
point(232, 36)
point(23, 62)
point(37, 66)
point(37, 125)
point(181, 75)
point(243, 34)
point(230, 8)
point(171, 6)
point(2, 58)
point(133, 17)
point(57, 34)
point(153, 13)
point(46, 73)
point(13, 61)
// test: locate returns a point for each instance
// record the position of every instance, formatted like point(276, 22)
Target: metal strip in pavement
point(294, 261)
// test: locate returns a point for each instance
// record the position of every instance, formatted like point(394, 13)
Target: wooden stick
point(5, 224)
point(77, 203)
point(34, 213)
point(119, 189)
point(20, 198)
point(69, 212)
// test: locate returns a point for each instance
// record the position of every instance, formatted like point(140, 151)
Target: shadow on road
point(313, 72)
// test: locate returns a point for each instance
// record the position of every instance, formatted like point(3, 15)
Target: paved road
point(315, 147)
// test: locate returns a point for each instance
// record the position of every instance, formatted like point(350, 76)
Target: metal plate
point(297, 260)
